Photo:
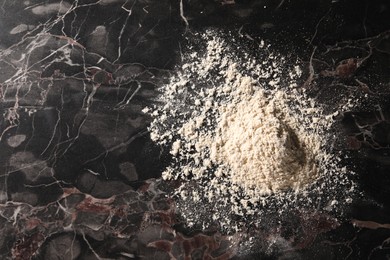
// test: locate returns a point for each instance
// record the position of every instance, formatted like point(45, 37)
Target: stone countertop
point(80, 177)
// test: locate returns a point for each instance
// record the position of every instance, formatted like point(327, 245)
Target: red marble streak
point(25, 247)
point(312, 225)
point(70, 40)
point(144, 188)
point(70, 191)
point(162, 245)
point(187, 247)
point(189, 244)
point(90, 204)
point(32, 223)
point(120, 211)
point(167, 217)
point(353, 143)
point(346, 68)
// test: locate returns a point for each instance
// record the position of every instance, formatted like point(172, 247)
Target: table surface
point(80, 176)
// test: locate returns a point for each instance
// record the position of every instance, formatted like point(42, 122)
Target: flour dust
point(246, 141)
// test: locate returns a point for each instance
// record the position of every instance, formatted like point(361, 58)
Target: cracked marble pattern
point(80, 177)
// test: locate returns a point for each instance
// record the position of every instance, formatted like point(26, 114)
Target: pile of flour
point(242, 135)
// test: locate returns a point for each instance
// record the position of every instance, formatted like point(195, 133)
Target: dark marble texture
point(79, 173)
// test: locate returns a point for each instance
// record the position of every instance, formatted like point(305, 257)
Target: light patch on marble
point(129, 171)
point(101, 188)
point(21, 28)
point(99, 42)
point(137, 122)
point(31, 166)
point(25, 197)
point(108, 2)
point(63, 247)
point(106, 129)
point(48, 9)
point(3, 197)
point(16, 140)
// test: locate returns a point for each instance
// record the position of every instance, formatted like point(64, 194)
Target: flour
point(243, 137)
point(263, 145)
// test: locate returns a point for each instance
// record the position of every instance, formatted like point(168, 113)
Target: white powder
point(263, 145)
point(243, 138)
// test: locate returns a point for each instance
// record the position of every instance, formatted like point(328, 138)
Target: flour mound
point(245, 140)
point(259, 142)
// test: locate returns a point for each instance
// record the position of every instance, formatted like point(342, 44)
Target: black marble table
point(80, 177)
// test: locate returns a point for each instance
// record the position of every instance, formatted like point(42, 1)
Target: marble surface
point(79, 173)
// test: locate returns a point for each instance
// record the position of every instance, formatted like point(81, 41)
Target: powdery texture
point(263, 145)
point(242, 137)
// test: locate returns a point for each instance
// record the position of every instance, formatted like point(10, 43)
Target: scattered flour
point(243, 137)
